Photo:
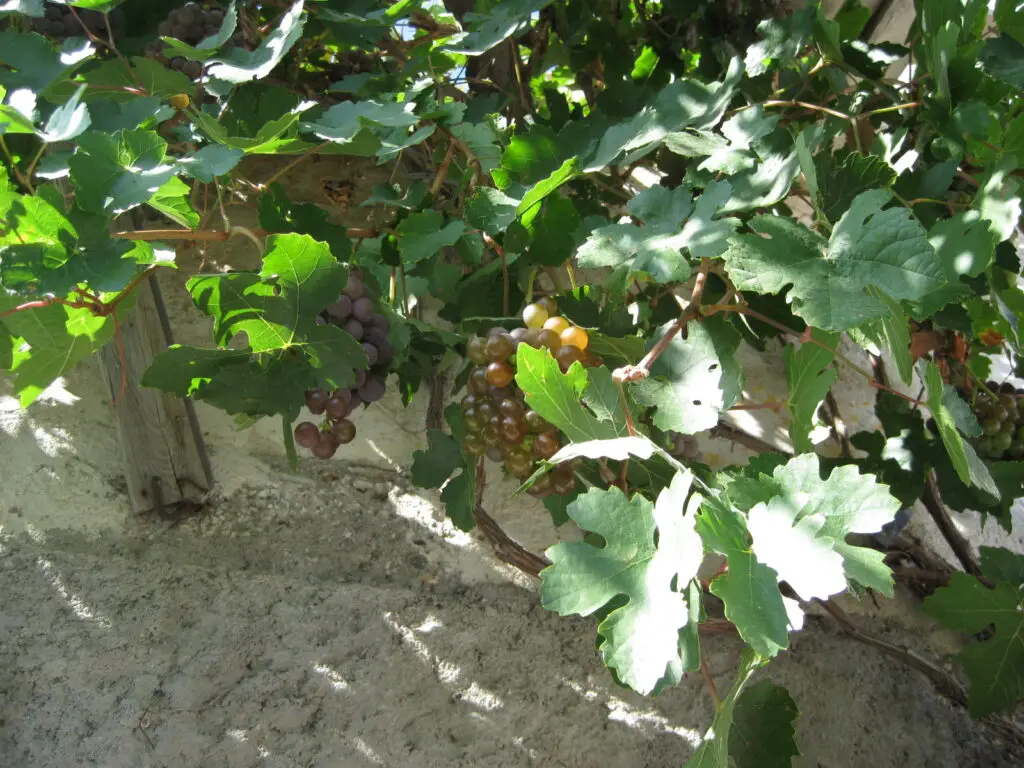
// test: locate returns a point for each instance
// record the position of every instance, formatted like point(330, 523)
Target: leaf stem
point(506, 288)
point(14, 167)
point(40, 303)
point(805, 105)
point(893, 108)
point(282, 171)
point(709, 681)
point(442, 172)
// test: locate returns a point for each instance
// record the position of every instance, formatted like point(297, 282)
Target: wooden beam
point(165, 460)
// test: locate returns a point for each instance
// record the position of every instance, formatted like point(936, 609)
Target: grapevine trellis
point(595, 206)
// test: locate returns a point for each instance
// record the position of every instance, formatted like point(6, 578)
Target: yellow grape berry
point(556, 324)
point(575, 336)
point(534, 316)
point(179, 101)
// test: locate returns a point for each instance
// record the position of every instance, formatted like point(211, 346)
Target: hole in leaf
point(696, 402)
point(712, 367)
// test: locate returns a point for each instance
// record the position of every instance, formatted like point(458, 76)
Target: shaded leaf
point(810, 374)
point(995, 666)
point(827, 279)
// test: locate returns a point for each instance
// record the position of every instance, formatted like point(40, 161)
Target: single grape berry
point(575, 336)
point(316, 401)
point(343, 431)
point(534, 316)
point(512, 408)
point(541, 488)
point(354, 288)
point(549, 305)
point(373, 390)
point(519, 464)
point(500, 374)
point(354, 328)
point(474, 445)
point(535, 422)
point(546, 445)
point(549, 339)
point(568, 355)
point(362, 309)
point(380, 321)
point(371, 353)
point(336, 408)
point(499, 347)
point(361, 377)
point(192, 69)
point(341, 309)
point(325, 447)
point(476, 350)
point(307, 434)
point(478, 383)
point(556, 324)
point(563, 481)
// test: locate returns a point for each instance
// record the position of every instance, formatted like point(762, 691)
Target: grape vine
point(654, 192)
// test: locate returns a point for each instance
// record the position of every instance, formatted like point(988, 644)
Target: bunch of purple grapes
point(355, 312)
point(192, 23)
point(60, 23)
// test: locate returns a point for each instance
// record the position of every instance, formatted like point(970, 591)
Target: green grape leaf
point(235, 381)
point(432, 467)
point(782, 40)
point(172, 200)
point(422, 235)
point(896, 329)
point(501, 20)
point(850, 502)
point(68, 120)
point(490, 210)
point(618, 449)
point(239, 65)
point(763, 733)
point(57, 336)
point(749, 589)
point(809, 374)
point(208, 46)
point(211, 161)
point(36, 62)
point(827, 279)
point(114, 173)
point(684, 387)
point(951, 413)
point(343, 122)
point(122, 81)
point(529, 206)
point(556, 395)
point(995, 666)
point(673, 220)
point(849, 174)
point(459, 499)
point(482, 140)
point(965, 245)
point(279, 214)
point(647, 549)
point(1003, 58)
point(716, 750)
point(277, 308)
point(999, 199)
point(684, 103)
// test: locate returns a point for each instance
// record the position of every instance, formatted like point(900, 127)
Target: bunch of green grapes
point(1001, 415)
point(499, 424)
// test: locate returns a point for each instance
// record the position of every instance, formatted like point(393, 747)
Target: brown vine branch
point(642, 369)
point(944, 682)
point(506, 288)
point(219, 235)
point(726, 431)
point(960, 546)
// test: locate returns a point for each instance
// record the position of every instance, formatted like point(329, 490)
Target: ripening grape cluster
point(355, 313)
point(60, 23)
point(192, 23)
point(498, 422)
point(1002, 422)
